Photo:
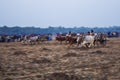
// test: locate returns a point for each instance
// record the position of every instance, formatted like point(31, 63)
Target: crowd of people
point(19, 38)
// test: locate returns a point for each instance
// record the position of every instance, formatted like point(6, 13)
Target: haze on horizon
point(67, 13)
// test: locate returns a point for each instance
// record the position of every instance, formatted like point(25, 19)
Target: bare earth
point(54, 61)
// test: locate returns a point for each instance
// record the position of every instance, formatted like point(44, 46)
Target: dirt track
point(53, 61)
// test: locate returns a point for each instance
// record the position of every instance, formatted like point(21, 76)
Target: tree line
point(6, 30)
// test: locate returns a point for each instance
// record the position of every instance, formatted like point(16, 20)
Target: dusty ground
point(53, 61)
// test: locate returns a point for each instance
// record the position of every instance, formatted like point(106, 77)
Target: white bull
point(88, 41)
point(33, 39)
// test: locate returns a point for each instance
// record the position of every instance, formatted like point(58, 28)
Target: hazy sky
point(68, 13)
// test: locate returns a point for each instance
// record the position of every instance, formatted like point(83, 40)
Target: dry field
point(54, 61)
